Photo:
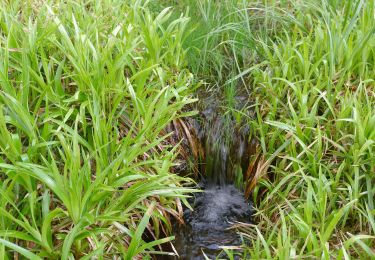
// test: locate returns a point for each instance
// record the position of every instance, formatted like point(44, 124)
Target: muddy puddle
point(208, 228)
point(227, 147)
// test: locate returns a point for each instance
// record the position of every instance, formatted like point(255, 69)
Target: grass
point(309, 69)
point(88, 89)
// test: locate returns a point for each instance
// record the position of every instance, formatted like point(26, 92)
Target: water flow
point(208, 228)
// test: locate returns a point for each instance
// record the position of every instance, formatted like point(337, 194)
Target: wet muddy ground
point(207, 228)
point(226, 146)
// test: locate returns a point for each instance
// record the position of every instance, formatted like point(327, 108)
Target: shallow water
point(227, 149)
point(207, 227)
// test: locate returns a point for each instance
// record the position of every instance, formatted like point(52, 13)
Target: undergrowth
point(86, 91)
point(308, 68)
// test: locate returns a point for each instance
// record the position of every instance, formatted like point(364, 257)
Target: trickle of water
point(226, 142)
point(207, 227)
point(227, 150)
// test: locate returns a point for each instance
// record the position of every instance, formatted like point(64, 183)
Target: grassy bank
point(308, 67)
point(86, 91)
point(88, 88)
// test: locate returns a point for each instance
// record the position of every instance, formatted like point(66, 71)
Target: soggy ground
point(227, 148)
point(207, 228)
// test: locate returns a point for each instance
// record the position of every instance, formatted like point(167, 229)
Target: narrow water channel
point(208, 228)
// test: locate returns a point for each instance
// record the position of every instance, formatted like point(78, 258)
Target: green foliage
point(86, 90)
point(309, 68)
point(88, 87)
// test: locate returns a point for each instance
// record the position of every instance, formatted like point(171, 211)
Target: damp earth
point(209, 227)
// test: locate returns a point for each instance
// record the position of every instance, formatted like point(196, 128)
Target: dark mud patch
point(208, 228)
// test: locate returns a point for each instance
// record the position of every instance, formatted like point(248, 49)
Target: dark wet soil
point(227, 147)
point(207, 228)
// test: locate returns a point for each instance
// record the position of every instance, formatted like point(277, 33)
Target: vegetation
point(88, 88)
point(309, 69)
point(86, 91)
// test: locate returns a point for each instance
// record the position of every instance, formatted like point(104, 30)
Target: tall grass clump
point(86, 91)
point(309, 69)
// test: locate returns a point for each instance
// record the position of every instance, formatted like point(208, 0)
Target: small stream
point(207, 228)
point(226, 144)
